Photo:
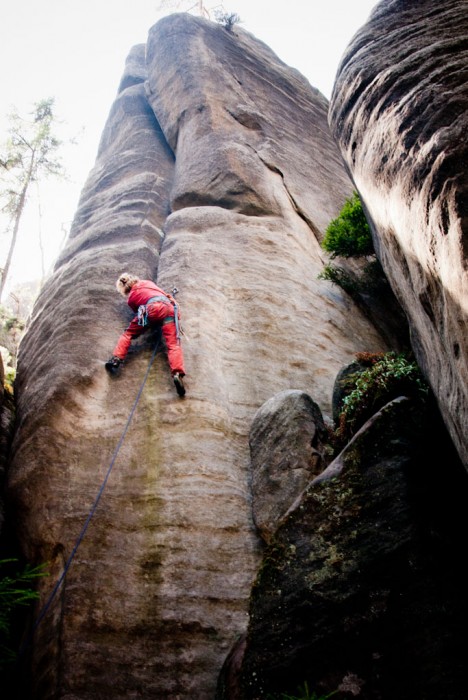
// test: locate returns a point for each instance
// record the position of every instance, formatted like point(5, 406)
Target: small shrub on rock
point(349, 235)
point(384, 377)
point(16, 591)
point(227, 19)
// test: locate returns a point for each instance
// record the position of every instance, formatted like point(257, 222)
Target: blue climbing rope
point(60, 581)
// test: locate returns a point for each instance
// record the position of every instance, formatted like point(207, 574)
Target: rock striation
point(216, 173)
point(287, 449)
point(399, 114)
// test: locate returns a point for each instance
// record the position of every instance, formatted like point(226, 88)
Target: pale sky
point(75, 51)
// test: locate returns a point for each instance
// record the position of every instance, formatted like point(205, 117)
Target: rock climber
point(153, 307)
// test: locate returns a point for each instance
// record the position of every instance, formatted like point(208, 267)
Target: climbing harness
point(61, 579)
point(143, 312)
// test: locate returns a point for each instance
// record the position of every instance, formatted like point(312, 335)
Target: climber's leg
point(175, 355)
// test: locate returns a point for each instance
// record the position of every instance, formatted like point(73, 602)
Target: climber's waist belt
point(143, 311)
point(160, 298)
point(143, 314)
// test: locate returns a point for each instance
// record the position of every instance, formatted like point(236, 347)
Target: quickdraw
point(142, 315)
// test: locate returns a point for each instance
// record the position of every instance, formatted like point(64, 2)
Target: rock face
point(215, 173)
point(287, 450)
point(399, 113)
point(361, 590)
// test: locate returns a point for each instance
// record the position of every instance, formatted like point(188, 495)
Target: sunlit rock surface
point(216, 173)
point(399, 113)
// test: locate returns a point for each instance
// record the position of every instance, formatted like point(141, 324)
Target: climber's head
point(126, 282)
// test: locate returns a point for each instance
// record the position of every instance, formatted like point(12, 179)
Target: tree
point(227, 19)
point(29, 155)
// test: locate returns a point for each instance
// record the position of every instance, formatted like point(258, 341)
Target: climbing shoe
point(113, 365)
point(179, 384)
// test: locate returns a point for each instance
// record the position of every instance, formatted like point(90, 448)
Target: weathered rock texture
point(399, 113)
point(287, 449)
point(218, 144)
point(361, 588)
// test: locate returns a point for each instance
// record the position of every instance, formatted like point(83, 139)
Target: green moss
point(16, 591)
point(387, 376)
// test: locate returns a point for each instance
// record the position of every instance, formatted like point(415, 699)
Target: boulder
point(287, 449)
point(361, 591)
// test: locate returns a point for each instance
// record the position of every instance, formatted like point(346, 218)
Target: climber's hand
point(113, 364)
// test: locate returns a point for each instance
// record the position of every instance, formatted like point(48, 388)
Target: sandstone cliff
point(216, 173)
point(361, 591)
point(399, 113)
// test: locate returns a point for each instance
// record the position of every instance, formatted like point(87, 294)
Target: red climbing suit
point(159, 313)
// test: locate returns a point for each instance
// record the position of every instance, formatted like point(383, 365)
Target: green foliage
point(349, 234)
point(385, 377)
point(11, 330)
point(16, 591)
point(337, 275)
point(29, 155)
point(9, 321)
point(29, 152)
point(371, 280)
point(303, 693)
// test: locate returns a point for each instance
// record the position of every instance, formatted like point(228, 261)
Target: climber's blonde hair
point(126, 282)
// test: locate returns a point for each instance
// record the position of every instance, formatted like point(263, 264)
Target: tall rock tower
point(216, 173)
